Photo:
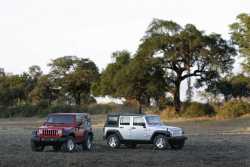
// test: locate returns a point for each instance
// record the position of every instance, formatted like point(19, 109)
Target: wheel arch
point(112, 132)
point(156, 133)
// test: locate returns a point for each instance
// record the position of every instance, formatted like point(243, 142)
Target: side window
point(87, 121)
point(124, 120)
point(138, 121)
point(112, 121)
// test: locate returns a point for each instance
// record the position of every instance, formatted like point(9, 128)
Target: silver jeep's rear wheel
point(113, 141)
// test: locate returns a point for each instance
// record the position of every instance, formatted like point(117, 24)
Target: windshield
point(60, 119)
point(153, 120)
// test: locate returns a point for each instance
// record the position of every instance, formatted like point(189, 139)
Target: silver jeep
point(132, 129)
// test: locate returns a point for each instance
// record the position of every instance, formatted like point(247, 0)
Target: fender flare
point(69, 132)
point(110, 132)
point(160, 132)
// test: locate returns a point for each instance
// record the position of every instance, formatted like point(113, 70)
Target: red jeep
point(63, 131)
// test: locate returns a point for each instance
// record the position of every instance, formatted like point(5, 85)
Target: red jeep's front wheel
point(88, 143)
point(69, 145)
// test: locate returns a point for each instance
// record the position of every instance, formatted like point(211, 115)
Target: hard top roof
point(129, 114)
point(125, 114)
point(68, 113)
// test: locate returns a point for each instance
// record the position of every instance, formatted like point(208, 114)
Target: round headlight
point(40, 131)
point(59, 132)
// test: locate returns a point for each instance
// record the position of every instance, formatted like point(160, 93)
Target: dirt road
point(210, 143)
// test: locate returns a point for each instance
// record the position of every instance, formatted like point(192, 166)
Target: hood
point(165, 127)
point(57, 127)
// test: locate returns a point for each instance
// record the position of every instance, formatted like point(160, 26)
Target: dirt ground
point(210, 143)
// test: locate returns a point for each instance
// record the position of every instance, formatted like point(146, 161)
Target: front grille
point(50, 132)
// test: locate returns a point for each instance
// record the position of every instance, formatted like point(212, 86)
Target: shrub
point(195, 109)
point(233, 109)
point(107, 108)
point(99, 108)
point(168, 113)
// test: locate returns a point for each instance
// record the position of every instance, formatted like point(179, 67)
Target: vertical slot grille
point(50, 132)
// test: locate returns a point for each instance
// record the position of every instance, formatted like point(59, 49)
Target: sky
point(33, 32)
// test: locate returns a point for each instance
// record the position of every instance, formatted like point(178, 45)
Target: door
point(125, 126)
point(138, 129)
point(79, 130)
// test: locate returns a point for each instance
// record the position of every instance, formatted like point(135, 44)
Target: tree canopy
point(74, 76)
point(240, 32)
point(186, 52)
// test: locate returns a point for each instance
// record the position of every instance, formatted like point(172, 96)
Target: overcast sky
point(32, 32)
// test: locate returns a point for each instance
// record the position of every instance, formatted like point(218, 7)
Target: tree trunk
point(78, 98)
point(140, 108)
point(177, 101)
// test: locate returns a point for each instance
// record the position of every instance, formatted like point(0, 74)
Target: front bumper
point(177, 138)
point(47, 141)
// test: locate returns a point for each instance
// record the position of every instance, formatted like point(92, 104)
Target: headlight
point(40, 132)
point(59, 132)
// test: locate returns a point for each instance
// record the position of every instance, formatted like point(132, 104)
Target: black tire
point(88, 143)
point(131, 145)
point(57, 147)
point(160, 142)
point(113, 141)
point(69, 145)
point(36, 147)
point(177, 145)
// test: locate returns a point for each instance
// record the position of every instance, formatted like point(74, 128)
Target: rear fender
point(111, 132)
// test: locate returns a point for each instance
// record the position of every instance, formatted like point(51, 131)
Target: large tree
point(241, 36)
point(74, 76)
point(186, 52)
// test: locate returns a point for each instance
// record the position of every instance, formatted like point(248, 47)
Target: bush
point(168, 113)
point(195, 109)
point(233, 109)
point(18, 111)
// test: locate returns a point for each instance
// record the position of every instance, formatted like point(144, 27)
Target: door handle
point(121, 127)
point(133, 128)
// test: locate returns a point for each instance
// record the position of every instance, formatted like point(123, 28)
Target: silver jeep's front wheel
point(160, 142)
point(113, 141)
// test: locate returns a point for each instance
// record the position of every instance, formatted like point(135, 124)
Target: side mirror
point(79, 123)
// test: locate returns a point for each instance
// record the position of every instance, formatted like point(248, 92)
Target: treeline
point(168, 55)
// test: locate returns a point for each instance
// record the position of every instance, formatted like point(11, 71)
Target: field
point(210, 143)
